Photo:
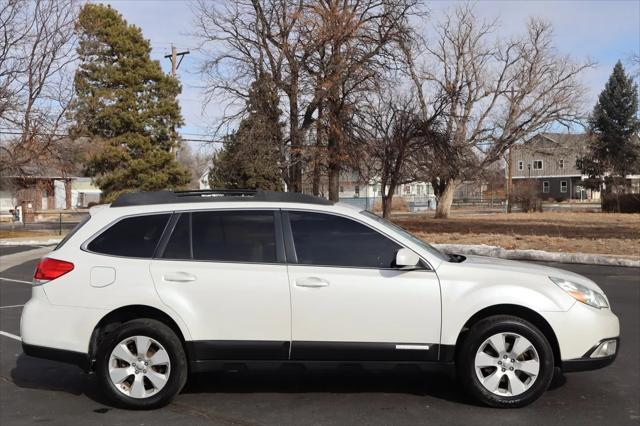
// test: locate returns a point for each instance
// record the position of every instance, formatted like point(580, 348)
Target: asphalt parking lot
point(39, 391)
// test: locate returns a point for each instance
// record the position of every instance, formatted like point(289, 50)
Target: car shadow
point(41, 374)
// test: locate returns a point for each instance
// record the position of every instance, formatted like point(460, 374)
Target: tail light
point(49, 269)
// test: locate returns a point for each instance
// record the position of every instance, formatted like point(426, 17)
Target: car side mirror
point(407, 259)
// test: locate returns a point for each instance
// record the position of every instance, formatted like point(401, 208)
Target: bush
point(629, 203)
point(527, 197)
point(398, 204)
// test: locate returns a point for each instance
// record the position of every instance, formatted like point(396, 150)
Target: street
point(39, 391)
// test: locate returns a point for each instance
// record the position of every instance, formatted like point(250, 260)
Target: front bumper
point(587, 362)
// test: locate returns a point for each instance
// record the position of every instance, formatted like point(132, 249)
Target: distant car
point(159, 285)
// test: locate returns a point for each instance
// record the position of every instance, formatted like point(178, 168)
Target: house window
point(357, 191)
point(520, 165)
point(537, 165)
point(563, 186)
point(545, 186)
point(561, 164)
point(419, 189)
point(342, 189)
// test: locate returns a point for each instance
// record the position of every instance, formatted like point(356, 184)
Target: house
point(46, 189)
point(549, 160)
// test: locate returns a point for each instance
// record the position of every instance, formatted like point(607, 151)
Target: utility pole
point(174, 68)
point(175, 64)
point(509, 181)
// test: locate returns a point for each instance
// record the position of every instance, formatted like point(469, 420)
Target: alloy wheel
point(507, 364)
point(139, 366)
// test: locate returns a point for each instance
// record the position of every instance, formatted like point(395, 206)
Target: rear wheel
point(505, 361)
point(142, 364)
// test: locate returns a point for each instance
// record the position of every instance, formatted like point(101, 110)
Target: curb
point(30, 241)
point(537, 255)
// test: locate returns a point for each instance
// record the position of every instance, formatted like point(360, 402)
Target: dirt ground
point(601, 233)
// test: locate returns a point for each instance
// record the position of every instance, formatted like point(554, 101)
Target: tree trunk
point(317, 161)
point(295, 168)
point(333, 147)
point(446, 199)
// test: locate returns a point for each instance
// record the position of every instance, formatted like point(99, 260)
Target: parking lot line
point(11, 336)
point(16, 281)
point(11, 306)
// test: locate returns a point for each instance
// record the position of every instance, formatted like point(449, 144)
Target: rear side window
point(226, 236)
point(328, 240)
point(135, 236)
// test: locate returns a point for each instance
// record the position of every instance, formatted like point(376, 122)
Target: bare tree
point(319, 54)
point(195, 161)
point(497, 92)
point(393, 133)
point(35, 85)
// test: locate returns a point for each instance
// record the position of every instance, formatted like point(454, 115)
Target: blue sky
point(604, 31)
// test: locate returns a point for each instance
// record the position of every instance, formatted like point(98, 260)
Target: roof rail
point(214, 195)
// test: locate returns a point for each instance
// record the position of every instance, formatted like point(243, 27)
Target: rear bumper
point(69, 357)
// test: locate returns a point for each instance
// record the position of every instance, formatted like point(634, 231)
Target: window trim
point(566, 186)
point(520, 165)
point(289, 242)
point(548, 187)
point(541, 165)
point(561, 163)
point(85, 245)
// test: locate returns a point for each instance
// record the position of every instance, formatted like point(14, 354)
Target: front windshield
point(393, 227)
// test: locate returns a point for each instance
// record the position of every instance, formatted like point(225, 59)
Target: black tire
point(171, 343)
point(479, 333)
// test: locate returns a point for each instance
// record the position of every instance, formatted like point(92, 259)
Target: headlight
point(581, 293)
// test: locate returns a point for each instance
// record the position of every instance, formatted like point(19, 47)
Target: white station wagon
point(161, 284)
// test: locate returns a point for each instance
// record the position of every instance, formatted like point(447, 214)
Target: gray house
point(549, 159)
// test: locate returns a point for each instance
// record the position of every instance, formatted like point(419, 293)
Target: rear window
point(135, 236)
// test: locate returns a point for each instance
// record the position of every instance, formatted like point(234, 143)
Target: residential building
point(549, 159)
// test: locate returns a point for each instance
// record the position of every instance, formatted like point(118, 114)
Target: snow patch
point(24, 242)
point(538, 255)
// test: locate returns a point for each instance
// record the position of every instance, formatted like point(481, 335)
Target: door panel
point(222, 271)
point(373, 310)
point(348, 302)
point(226, 301)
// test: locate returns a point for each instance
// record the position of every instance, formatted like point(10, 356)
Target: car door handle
point(179, 277)
point(311, 282)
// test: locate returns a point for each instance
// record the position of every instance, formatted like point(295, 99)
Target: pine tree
point(126, 105)
point(250, 157)
point(614, 151)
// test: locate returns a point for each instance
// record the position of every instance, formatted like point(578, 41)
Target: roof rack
point(214, 195)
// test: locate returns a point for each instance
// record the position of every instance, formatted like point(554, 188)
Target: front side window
point(545, 186)
point(561, 164)
point(563, 186)
point(537, 165)
point(135, 236)
point(520, 165)
point(329, 240)
point(225, 236)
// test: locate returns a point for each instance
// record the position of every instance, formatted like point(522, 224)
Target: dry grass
point(19, 233)
point(602, 233)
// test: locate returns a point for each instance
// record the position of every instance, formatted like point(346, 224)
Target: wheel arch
point(518, 311)
point(126, 313)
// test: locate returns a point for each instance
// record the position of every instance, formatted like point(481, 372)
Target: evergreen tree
point(250, 157)
point(126, 105)
point(614, 151)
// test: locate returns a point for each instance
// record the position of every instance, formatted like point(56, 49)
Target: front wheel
point(142, 364)
point(505, 361)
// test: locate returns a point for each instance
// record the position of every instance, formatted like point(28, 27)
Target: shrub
point(527, 197)
point(621, 203)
